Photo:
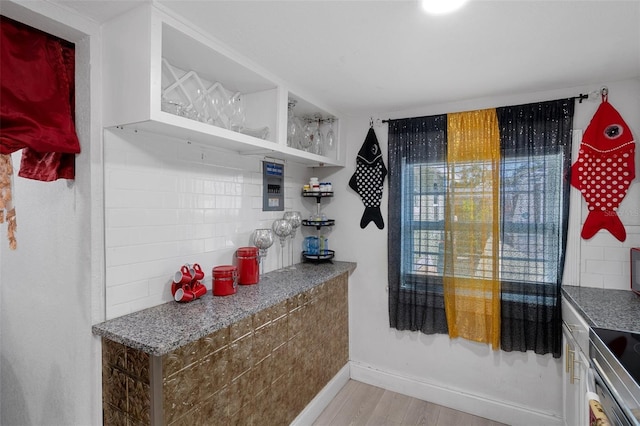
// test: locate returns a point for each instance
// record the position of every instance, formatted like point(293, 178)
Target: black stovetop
point(625, 346)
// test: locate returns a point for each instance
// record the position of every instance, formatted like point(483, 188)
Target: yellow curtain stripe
point(471, 278)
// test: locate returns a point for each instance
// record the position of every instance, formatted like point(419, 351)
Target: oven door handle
point(597, 414)
point(607, 382)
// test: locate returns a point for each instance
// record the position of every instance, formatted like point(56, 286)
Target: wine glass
point(330, 137)
point(306, 139)
point(282, 228)
point(295, 218)
point(263, 239)
point(214, 106)
point(294, 131)
point(201, 106)
point(216, 102)
point(236, 112)
point(318, 139)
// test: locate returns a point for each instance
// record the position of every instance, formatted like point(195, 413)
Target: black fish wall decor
point(368, 180)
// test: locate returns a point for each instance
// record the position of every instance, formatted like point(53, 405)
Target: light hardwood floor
point(361, 404)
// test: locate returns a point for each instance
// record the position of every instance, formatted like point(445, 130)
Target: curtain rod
point(604, 91)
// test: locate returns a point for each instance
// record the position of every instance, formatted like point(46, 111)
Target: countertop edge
point(615, 309)
point(577, 307)
point(161, 329)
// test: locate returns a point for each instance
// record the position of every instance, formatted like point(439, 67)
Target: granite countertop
point(164, 328)
point(606, 308)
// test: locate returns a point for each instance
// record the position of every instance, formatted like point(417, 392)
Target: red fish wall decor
point(604, 170)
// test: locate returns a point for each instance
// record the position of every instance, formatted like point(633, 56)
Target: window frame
point(429, 282)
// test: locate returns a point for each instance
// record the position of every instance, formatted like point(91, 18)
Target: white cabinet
point(575, 333)
point(151, 56)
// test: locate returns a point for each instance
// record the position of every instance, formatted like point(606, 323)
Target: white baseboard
point(323, 398)
point(452, 398)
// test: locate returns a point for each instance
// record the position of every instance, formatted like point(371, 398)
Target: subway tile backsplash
point(604, 261)
point(170, 202)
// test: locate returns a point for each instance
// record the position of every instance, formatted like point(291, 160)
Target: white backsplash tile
point(605, 260)
point(604, 267)
point(592, 280)
point(592, 252)
point(127, 292)
point(168, 202)
point(614, 254)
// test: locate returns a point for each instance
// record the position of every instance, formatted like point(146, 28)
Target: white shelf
point(136, 44)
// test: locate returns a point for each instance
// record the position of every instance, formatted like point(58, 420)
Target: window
point(424, 222)
point(530, 216)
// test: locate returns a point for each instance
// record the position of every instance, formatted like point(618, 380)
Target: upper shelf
point(150, 60)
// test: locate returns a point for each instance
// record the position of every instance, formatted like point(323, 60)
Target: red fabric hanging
point(37, 98)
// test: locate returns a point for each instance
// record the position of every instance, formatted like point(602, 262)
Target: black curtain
point(416, 302)
point(538, 136)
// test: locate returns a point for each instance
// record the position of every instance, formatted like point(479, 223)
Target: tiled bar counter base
point(262, 369)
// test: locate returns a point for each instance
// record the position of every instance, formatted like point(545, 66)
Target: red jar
point(248, 265)
point(225, 280)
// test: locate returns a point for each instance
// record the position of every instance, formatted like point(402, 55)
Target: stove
point(615, 355)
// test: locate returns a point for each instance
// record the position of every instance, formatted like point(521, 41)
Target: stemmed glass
point(236, 112)
point(282, 228)
point(306, 139)
point(201, 106)
point(294, 130)
point(330, 137)
point(295, 218)
point(318, 139)
point(263, 239)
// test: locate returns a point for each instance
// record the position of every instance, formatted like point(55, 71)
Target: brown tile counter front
point(262, 369)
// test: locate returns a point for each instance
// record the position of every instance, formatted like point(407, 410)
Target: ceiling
point(366, 57)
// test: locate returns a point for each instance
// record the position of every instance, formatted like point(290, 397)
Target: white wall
point(516, 388)
point(169, 202)
point(49, 360)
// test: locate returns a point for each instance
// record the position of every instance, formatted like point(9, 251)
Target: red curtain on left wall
point(37, 111)
point(37, 101)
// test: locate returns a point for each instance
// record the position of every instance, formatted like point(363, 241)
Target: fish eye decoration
point(368, 179)
point(604, 170)
point(614, 131)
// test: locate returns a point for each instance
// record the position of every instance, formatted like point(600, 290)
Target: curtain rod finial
point(376, 122)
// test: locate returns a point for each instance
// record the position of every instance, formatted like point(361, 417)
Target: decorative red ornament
point(604, 170)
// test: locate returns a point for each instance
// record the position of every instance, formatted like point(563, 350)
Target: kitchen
point(73, 290)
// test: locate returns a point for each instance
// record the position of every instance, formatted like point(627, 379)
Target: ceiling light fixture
point(440, 7)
